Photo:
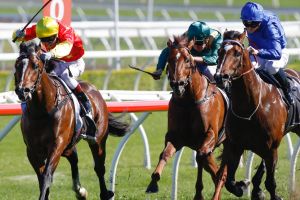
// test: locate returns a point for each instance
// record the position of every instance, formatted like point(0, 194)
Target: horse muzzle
point(178, 87)
point(23, 94)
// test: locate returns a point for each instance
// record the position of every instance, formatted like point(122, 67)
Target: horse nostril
point(225, 76)
point(181, 83)
point(26, 90)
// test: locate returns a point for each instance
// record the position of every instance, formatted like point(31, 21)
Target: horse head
point(28, 70)
point(180, 64)
point(233, 60)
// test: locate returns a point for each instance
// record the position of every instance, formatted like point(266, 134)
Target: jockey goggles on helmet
point(251, 24)
point(48, 40)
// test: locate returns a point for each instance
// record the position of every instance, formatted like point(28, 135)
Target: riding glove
point(157, 74)
point(46, 56)
point(18, 34)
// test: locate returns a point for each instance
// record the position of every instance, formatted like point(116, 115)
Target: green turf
point(18, 181)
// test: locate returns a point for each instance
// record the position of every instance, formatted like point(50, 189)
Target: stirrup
point(88, 138)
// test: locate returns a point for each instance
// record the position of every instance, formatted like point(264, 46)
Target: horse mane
point(231, 35)
point(181, 41)
point(29, 47)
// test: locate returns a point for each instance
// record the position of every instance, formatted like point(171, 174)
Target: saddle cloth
point(293, 110)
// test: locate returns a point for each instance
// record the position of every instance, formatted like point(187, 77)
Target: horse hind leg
point(168, 152)
point(81, 192)
point(99, 154)
point(257, 193)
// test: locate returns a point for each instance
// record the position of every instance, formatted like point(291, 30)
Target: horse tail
point(116, 126)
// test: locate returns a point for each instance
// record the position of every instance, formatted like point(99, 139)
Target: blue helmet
point(252, 12)
point(199, 30)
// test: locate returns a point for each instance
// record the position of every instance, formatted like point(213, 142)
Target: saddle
point(85, 127)
point(293, 110)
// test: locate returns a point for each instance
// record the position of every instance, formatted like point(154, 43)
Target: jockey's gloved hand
point(18, 34)
point(251, 50)
point(46, 56)
point(157, 74)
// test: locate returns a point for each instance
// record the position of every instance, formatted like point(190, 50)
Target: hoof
point(277, 198)
point(258, 195)
point(108, 195)
point(237, 188)
point(81, 194)
point(152, 187)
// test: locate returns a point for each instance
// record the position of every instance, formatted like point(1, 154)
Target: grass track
point(18, 181)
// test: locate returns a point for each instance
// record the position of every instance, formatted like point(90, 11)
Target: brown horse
point(195, 117)
point(257, 119)
point(48, 123)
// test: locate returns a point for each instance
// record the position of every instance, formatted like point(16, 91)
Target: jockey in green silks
point(204, 51)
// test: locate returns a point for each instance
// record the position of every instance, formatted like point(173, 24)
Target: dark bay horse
point(256, 121)
point(48, 123)
point(195, 117)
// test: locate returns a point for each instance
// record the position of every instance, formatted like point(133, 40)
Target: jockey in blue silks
point(268, 42)
point(204, 51)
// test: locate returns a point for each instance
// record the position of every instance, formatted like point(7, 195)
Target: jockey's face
point(49, 42)
point(199, 45)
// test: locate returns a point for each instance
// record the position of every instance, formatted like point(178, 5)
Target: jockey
point(204, 51)
point(64, 45)
point(267, 41)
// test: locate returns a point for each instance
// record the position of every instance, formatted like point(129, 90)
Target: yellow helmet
point(46, 27)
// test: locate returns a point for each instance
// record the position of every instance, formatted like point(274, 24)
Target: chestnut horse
point(195, 117)
point(257, 119)
point(48, 123)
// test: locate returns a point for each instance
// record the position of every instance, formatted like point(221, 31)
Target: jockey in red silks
point(61, 43)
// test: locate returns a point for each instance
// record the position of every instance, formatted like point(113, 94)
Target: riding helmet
point(199, 30)
point(252, 12)
point(46, 27)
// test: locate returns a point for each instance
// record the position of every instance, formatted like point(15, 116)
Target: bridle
point(32, 89)
point(234, 42)
point(188, 79)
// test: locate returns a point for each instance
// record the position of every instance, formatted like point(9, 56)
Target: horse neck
point(246, 92)
point(44, 97)
point(198, 87)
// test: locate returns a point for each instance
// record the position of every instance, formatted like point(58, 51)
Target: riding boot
point(86, 108)
point(285, 85)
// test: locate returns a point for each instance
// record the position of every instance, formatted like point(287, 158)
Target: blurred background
point(117, 33)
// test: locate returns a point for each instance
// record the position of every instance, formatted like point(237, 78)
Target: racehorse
point(256, 121)
point(48, 122)
point(195, 116)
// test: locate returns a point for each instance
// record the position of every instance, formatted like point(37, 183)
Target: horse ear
point(242, 36)
point(191, 43)
point(169, 43)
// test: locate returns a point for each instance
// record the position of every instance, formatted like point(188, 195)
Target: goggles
point(199, 42)
point(49, 40)
point(251, 24)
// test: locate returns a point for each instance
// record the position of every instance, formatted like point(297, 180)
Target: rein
point(240, 76)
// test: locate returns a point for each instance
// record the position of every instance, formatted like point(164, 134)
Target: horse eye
point(238, 54)
point(187, 60)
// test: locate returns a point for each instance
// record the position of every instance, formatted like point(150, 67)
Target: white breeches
point(69, 71)
point(271, 66)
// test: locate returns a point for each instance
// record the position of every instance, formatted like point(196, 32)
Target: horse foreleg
point(99, 154)
point(270, 182)
point(47, 175)
point(80, 191)
point(208, 143)
point(167, 153)
point(257, 193)
point(233, 158)
point(209, 164)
